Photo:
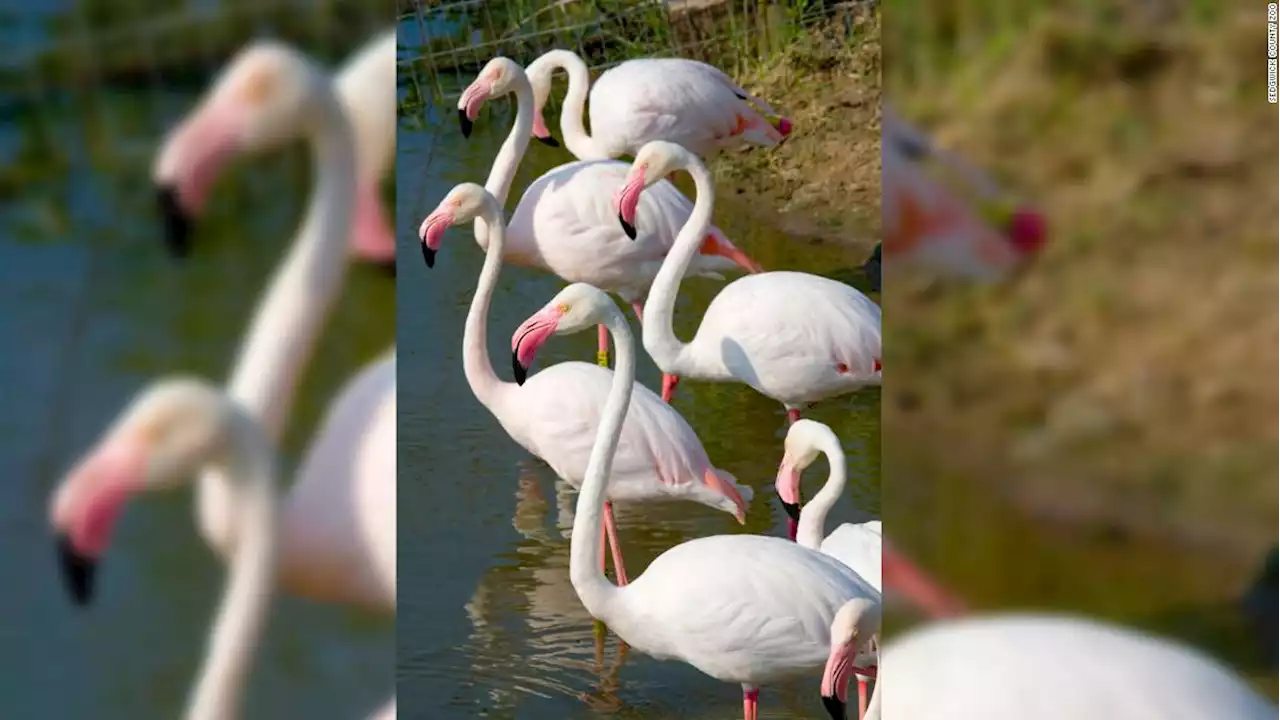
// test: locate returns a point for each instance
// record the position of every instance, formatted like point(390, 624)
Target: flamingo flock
point(751, 610)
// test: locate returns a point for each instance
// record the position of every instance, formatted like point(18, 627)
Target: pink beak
point(469, 104)
point(430, 232)
point(530, 336)
point(787, 485)
point(902, 575)
point(628, 199)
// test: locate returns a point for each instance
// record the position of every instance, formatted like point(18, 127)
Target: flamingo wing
point(564, 405)
point(857, 545)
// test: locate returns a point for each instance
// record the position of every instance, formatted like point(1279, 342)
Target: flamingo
point(929, 226)
point(338, 523)
point(854, 632)
point(554, 413)
point(172, 429)
point(564, 221)
point(366, 86)
point(683, 101)
point(1054, 667)
point(746, 609)
point(793, 337)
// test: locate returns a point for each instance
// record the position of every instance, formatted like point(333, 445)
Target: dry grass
point(1128, 376)
point(823, 182)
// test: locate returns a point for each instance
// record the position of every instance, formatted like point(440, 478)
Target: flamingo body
point(339, 534)
point(555, 416)
point(1055, 668)
point(787, 335)
point(566, 223)
point(748, 609)
point(683, 101)
point(857, 545)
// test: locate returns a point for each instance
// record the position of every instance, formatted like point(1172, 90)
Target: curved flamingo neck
point(573, 111)
point(813, 517)
point(671, 354)
point(598, 595)
point(507, 161)
point(251, 576)
point(476, 364)
point(287, 323)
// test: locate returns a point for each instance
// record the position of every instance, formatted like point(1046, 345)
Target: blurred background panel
point(91, 308)
point(489, 623)
point(1100, 434)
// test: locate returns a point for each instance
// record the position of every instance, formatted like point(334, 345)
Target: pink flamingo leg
point(612, 530)
point(750, 701)
point(902, 575)
point(862, 697)
point(604, 541)
point(602, 349)
point(792, 416)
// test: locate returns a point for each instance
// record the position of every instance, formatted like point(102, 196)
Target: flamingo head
point(494, 80)
point(167, 433)
point(655, 161)
point(576, 308)
point(267, 95)
point(854, 629)
point(464, 203)
point(540, 72)
point(806, 439)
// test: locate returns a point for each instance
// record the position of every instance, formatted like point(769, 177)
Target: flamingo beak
point(430, 232)
point(190, 160)
point(787, 485)
point(469, 104)
point(529, 337)
point(78, 570)
point(628, 199)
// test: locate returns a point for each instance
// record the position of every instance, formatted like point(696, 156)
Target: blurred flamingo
point(928, 225)
point(747, 609)
point(338, 525)
point(171, 430)
point(564, 221)
point(366, 86)
point(554, 415)
point(793, 337)
point(1054, 667)
point(686, 102)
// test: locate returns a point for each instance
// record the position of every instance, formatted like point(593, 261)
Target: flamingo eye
point(562, 308)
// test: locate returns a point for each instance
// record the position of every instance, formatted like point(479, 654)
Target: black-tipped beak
point(177, 224)
point(77, 571)
point(429, 255)
point(520, 371)
point(464, 123)
point(793, 510)
point(627, 227)
point(834, 707)
point(549, 141)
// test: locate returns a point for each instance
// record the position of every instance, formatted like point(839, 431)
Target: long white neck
point(291, 314)
point(669, 353)
point(476, 365)
point(507, 161)
point(595, 591)
point(251, 575)
point(873, 705)
point(582, 145)
point(813, 517)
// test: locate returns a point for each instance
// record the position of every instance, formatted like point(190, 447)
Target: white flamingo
point(687, 102)
point(366, 85)
point(338, 524)
point(860, 546)
point(746, 609)
point(930, 226)
point(555, 413)
point(855, 635)
point(564, 222)
point(1053, 667)
point(794, 337)
point(170, 431)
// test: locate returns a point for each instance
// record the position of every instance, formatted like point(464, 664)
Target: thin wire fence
point(444, 44)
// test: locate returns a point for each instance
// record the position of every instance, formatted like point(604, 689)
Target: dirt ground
point(1128, 378)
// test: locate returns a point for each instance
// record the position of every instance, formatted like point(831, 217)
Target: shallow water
point(489, 623)
point(97, 309)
